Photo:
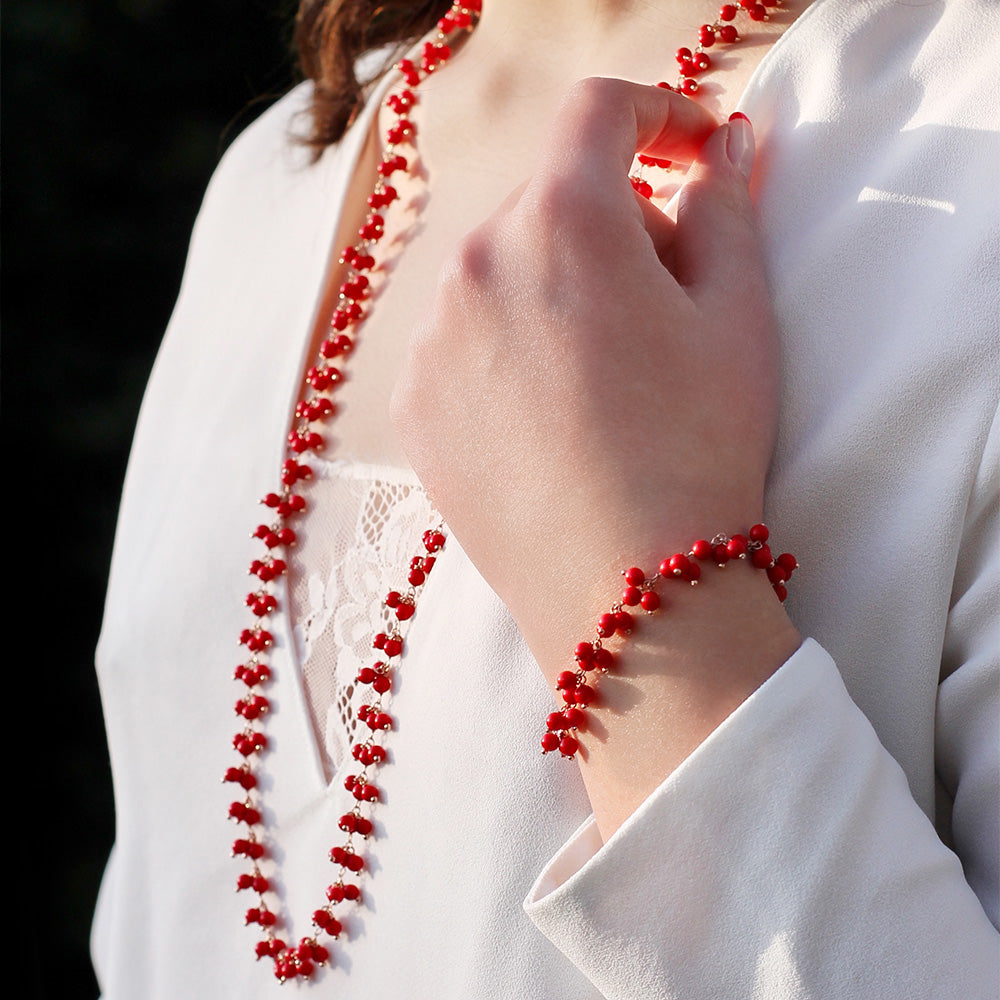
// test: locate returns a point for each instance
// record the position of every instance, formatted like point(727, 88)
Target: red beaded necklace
point(315, 408)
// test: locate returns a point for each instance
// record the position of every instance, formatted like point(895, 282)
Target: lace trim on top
point(364, 526)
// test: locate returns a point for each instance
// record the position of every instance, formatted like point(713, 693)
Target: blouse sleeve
point(787, 857)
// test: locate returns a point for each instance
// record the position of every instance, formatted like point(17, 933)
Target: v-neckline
point(343, 160)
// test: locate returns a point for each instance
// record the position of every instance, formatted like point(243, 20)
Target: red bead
point(382, 683)
point(606, 625)
point(675, 565)
point(241, 776)
point(433, 540)
point(787, 562)
point(624, 622)
point(758, 12)
point(584, 695)
point(635, 577)
point(550, 742)
point(776, 574)
point(584, 652)
point(555, 721)
point(403, 131)
point(641, 187)
point(650, 601)
point(761, 558)
point(631, 596)
point(390, 165)
point(728, 12)
point(248, 848)
point(393, 647)
point(373, 229)
point(575, 718)
point(758, 533)
point(736, 546)
point(720, 554)
point(689, 87)
point(355, 288)
point(329, 923)
point(706, 35)
point(780, 590)
point(568, 746)
point(566, 680)
point(603, 659)
point(702, 549)
point(729, 34)
point(380, 199)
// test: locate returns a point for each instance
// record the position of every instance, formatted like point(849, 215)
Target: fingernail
point(739, 143)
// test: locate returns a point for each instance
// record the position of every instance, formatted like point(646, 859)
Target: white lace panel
point(364, 525)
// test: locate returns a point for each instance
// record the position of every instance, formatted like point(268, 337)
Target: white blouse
point(801, 850)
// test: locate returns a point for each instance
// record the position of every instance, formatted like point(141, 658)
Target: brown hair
point(330, 36)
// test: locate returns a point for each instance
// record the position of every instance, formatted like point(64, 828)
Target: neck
point(566, 40)
point(506, 83)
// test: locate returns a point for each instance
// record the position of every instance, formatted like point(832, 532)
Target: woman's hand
point(596, 388)
point(598, 384)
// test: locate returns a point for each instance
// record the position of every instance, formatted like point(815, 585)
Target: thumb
point(717, 250)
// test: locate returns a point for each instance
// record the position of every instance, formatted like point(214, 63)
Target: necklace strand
point(316, 408)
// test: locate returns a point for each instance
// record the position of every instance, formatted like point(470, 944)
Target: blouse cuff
point(785, 843)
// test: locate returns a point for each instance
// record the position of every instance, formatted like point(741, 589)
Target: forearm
point(679, 674)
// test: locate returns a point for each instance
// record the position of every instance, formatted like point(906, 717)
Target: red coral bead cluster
point(693, 61)
point(314, 409)
point(578, 687)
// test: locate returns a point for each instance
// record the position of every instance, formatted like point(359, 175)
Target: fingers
point(717, 252)
point(604, 122)
point(600, 126)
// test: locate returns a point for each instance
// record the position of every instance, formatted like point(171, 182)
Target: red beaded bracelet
point(593, 658)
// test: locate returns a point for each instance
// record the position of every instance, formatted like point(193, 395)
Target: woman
point(756, 802)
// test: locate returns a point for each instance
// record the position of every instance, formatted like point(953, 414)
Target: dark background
point(115, 113)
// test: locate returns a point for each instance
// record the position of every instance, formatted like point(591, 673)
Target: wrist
point(659, 689)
